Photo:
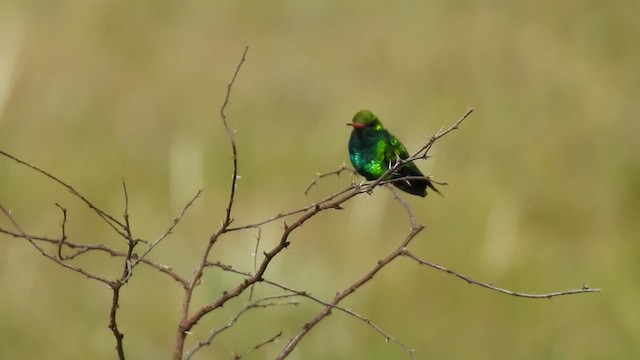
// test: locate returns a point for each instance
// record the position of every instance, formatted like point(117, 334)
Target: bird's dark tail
point(430, 185)
point(412, 186)
point(415, 186)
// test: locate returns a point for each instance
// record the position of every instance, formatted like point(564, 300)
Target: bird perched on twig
point(373, 150)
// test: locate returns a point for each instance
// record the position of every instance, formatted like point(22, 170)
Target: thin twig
point(255, 260)
point(169, 230)
point(231, 135)
point(292, 212)
point(265, 302)
point(323, 175)
point(63, 235)
point(127, 272)
point(258, 346)
point(113, 325)
point(309, 296)
point(425, 149)
point(24, 235)
point(113, 223)
point(186, 322)
point(326, 311)
point(405, 205)
point(189, 321)
point(584, 289)
point(114, 285)
point(126, 208)
point(85, 248)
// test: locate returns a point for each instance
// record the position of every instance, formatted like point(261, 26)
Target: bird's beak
point(357, 125)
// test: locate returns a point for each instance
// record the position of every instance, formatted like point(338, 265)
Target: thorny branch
point(326, 311)
point(186, 321)
point(308, 295)
point(80, 249)
point(254, 254)
point(266, 302)
point(320, 176)
point(232, 138)
point(169, 230)
point(116, 225)
point(22, 234)
point(63, 235)
point(258, 346)
point(127, 272)
point(583, 289)
point(297, 217)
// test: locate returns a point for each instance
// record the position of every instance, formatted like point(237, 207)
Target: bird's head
point(365, 119)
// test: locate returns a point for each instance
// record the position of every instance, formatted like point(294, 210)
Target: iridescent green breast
point(367, 151)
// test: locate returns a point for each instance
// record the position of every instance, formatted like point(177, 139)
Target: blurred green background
point(544, 177)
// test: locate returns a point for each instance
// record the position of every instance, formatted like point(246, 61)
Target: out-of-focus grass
point(544, 176)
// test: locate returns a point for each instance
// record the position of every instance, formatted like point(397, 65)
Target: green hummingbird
point(373, 150)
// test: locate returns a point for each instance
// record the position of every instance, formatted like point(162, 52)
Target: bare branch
point(63, 235)
point(231, 135)
point(114, 285)
point(335, 172)
point(113, 223)
point(271, 219)
point(425, 149)
point(407, 208)
point(326, 311)
point(85, 248)
point(169, 230)
point(115, 299)
point(309, 296)
point(24, 235)
point(189, 321)
point(127, 271)
point(550, 295)
point(258, 346)
point(126, 207)
point(255, 260)
point(292, 212)
point(186, 324)
point(265, 302)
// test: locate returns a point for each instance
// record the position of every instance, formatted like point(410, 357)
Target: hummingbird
point(373, 150)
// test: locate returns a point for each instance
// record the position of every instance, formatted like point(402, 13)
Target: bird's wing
point(396, 149)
